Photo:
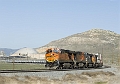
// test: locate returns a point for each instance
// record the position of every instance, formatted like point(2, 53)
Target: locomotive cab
point(51, 57)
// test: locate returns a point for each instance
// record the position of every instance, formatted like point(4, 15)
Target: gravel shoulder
point(92, 76)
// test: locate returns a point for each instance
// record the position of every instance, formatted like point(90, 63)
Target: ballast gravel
point(56, 74)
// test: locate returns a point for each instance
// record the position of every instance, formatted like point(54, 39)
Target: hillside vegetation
point(93, 41)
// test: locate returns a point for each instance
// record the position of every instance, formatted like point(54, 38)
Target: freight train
point(67, 59)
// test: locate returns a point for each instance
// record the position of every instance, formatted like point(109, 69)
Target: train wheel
point(77, 66)
point(94, 65)
point(71, 67)
point(87, 65)
point(83, 65)
point(100, 64)
point(58, 68)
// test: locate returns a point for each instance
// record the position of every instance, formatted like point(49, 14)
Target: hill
point(6, 51)
point(93, 41)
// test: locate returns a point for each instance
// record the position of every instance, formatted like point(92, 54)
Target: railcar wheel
point(100, 64)
point(94, 65)
point(60, 66)
point(83, 65)
point(77, 66)
point(87, 65)
point(72, 66)
point(57, 68)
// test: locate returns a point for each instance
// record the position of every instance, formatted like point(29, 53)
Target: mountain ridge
point(7, 51)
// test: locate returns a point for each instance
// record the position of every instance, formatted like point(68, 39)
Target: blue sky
point(34, 23)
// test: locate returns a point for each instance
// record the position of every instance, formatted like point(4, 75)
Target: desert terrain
point(92, 76)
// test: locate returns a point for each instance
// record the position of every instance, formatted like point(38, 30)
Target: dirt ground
point(98, 77)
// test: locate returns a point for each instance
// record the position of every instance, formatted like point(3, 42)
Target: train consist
point(67, 59)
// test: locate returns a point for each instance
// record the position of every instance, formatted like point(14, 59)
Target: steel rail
point(50, 70)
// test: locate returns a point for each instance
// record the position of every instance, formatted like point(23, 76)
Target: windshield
point(55, 50)
point(49, 51)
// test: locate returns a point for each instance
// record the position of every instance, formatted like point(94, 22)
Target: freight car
point(62, 59)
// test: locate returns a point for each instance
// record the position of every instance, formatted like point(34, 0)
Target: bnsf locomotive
point(62, 59)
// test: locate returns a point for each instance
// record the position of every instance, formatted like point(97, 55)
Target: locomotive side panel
point(94, 59)
point(65, 57)
point(80, 57)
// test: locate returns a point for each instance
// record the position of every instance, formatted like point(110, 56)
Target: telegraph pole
point(13, 63)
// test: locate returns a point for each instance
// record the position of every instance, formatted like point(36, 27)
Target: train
point(68, 59)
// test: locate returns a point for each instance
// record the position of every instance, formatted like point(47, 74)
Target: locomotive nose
point(50, 58)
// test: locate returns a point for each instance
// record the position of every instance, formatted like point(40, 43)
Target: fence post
point(13, 63)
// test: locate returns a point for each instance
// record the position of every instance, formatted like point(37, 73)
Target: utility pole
point(13, 63)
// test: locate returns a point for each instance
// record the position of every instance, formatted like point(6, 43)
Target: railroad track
point(49, 70)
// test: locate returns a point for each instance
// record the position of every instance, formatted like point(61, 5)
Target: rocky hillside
point(92, 41)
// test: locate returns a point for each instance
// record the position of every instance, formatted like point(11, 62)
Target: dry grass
point(83, 78)
point(101, 82)
point(94, 74)
point(21, 66)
